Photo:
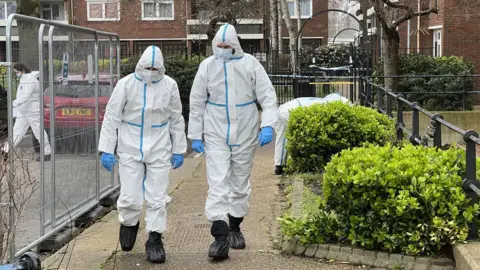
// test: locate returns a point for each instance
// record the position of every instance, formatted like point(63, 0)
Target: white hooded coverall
point(283, 115)
point(26, 109)
point(147, 112)
point(223, 110)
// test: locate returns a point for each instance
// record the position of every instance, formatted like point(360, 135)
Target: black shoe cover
point(219, 248)
point(279, 170)
point(154, 248)
point(235, 237)
point(236, 240)
point(128, 235)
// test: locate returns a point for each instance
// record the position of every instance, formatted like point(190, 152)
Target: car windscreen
point(79, 90)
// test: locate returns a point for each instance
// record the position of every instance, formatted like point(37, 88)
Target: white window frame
point(4, 3)
point(157, 2)
point(60, 10)
point(435, 32)
point(295, 15)
point(103, 19)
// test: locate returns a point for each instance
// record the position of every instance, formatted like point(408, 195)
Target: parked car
point(74, 110)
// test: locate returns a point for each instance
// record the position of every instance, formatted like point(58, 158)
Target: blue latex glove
point(108, 161)
point(197, 146)
point(177, 161)
point(265, 136)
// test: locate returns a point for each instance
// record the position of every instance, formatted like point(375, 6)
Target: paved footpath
point(188, 234)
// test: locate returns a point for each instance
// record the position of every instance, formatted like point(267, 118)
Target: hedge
point(317, 132)
point(405, 199)
point(458, 81)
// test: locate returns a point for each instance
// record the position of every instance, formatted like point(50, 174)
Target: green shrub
point(315, 225)
point(317, 132)
point(417, 64)
point(407, 200)
point(179, 68)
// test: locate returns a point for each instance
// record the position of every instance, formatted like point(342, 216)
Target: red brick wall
point(131, 25)
point(462, 32)
point(318, 26)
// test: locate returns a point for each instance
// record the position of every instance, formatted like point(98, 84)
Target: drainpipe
point(418, 29)
point(408, 36)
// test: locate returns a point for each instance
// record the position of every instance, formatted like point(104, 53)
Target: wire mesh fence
point(73, 73)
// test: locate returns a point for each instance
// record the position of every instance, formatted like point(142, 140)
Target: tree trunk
point(273, 33)
point(28, 45)
point(273, 25)
point(291, 33)
point(280, 26)
point(391, 43)
point(299, 23)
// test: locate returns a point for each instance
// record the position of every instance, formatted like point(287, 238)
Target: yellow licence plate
point(76, 111)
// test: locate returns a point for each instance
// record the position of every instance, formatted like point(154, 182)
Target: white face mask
point(224, 53)
point(19, 74)
point(151, 76)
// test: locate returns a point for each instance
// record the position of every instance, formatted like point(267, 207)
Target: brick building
point(177, 25)
point(453, 31)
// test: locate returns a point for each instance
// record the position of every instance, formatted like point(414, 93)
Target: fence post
point(389, 104)
point(379, 99)
point(361, 87)
point(415, 125)
point(97, 126)
point(470, 184)
point(53, 222)
point(399, 124)
point(464, 92)
point(437, 134)
point(42, 128)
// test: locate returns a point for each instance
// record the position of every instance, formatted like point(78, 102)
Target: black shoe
point(154, 248)
point(219, 248)
point(45, 158)
point(235, 237)
point(279, 170)
point(128, 236)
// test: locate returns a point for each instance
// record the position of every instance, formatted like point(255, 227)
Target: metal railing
point(69, 185)
point(385, 99)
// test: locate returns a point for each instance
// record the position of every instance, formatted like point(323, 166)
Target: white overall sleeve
point(266, 95)
point(112, 120)
point(198, 102)
point(177, 123)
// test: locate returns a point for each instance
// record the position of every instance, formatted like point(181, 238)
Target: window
point(103, 11)
point(7, 8)
point(52, 11)
point(305, 8)
point(157, 10)
point(437, 43)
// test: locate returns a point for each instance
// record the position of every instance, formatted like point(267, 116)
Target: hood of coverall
point(227, 34)
point(151, 57)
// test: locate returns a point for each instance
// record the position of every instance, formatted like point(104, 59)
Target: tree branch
point(408, 16)
point(381, 13)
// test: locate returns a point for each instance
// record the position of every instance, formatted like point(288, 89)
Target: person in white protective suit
point(146, 110)
point(223, 112)
point(283, 115)
point(26, 109)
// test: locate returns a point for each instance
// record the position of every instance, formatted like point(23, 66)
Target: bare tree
point(299, 21)
point(212, 12)
point(390, 15)
point(28, 51)
point(17, 185)
point(292, 33)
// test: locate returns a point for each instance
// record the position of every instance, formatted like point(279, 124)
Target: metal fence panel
point(76, 73)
